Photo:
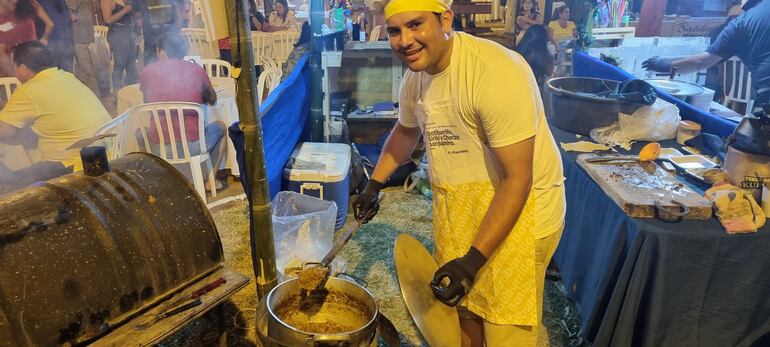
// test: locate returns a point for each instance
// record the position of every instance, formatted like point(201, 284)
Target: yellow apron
point(464, 175)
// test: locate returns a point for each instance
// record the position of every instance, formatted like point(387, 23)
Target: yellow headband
point(399, 6)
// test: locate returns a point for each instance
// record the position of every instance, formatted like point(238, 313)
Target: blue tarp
point(585, 65)
point(283, 114)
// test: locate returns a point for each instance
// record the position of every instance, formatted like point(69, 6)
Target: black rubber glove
point(461, 273)
point(367, 203)
point(658, 64)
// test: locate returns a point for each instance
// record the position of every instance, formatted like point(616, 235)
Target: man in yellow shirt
point(58, 108)
point(496, 173)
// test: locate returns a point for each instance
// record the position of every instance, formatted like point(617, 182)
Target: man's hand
point(461, 272)
point(658, 64)
point(367, 203)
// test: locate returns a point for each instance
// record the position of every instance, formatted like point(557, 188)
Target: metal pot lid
point(438, 323)
point(676, 88)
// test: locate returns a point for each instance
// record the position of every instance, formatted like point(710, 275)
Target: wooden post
point(261, 226)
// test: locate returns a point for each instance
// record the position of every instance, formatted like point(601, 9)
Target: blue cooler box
point(321, 170)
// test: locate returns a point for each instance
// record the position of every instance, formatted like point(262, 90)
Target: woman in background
point(528, 15)
point(17, 25)
point(256, 18)
point(562, 28)
point(119, 17)
point(60, 42)
point(534, 48)
point(282, 18)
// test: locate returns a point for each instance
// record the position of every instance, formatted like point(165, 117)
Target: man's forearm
point(695, 63)
point(398, 148)
point(502, 214)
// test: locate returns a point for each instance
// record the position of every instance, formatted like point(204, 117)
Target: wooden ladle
point(649, 153)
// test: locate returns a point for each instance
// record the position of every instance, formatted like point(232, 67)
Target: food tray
point(666, 153)
point(687, 162)
point(697, 174)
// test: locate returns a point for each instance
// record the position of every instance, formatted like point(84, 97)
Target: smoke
point(11, 180)
point(21, 166)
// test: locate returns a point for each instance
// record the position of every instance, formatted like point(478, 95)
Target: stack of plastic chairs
point(199, 45)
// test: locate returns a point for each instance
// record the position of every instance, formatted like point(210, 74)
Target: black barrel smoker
point(80, 254)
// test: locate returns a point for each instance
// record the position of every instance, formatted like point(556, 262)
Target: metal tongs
point(337, 247)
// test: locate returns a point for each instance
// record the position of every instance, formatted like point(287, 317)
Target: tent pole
point(261, 225)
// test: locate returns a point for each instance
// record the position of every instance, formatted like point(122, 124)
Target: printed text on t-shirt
point(441, 137)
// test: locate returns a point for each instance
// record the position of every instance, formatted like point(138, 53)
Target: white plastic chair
point(263, 46)
point(196, 39)
point(375, 34)
point(737, 84)
point(7, 86)
point(151, 116)
point(217, 68)
point(116, 146)
point(269, 78)
point(283, 43)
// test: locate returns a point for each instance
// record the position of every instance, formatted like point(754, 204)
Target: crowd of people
point(63, 96)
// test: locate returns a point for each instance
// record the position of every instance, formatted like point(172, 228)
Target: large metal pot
point(579, 104)
point(349, 309)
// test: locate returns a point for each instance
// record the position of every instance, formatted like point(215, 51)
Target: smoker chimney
point(94, 160)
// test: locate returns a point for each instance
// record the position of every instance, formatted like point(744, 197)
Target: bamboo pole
point(261, 226)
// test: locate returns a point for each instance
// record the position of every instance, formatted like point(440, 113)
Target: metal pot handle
point(683, 211)
point(357, 279)
point(342, 340)
point(387, 331)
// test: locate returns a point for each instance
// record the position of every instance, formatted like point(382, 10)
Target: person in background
point(495, 171)
point(747, 36)
point(562, 28)
point(119, 17)
point(17, 25)
point(256, 18)
point(528, 15)
point(171, 79)
point(282, 18)
point(301, 47)
point(60, 42)
point(56, 106)
point(183, 13)
point(81, 14)
point(715, 73)
point(534, 48)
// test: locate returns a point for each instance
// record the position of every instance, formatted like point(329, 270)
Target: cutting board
point(636, 188)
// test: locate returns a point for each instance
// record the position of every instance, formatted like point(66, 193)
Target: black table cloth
point(645, 282)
